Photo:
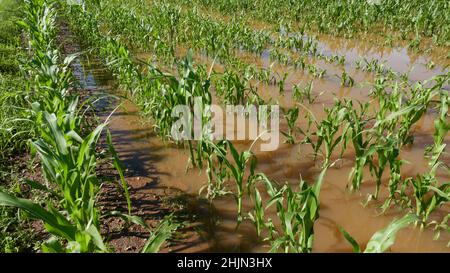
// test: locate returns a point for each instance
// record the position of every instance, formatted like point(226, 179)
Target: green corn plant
point(69, 164)
point(297, 211)
point(232, 88)
point(302, 94)
point(299, 63)
point(237, 167)
point(441, 129)
point(383, 239)
point(373, 66)
point(291, 117)
point(315, 71)
point(281, 83)
point(328, 129)
point(160, 234)
point(216, 169)
point(87, 239)
point(358, 121)
point(264, 74)
point(428, 194)
point(419, 100)
point(387, 154)
point(118, 166)
point(163, 231)
point(379, 141)
point(346, 80)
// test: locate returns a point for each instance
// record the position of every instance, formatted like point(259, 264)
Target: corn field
point(93, 158)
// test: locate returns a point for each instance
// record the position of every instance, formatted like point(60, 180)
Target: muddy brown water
point(151, 161)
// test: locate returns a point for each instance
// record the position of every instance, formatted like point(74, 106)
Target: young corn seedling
point(419, 101)
point(387, 154)
point(299, 63)
point(281, 82)
point(302, 94)
point(429, 194)
point(358, 136)
point(160, 234)
point(328, 129)
point(68, 163)
point(232, 88)
point(383, 239)
point(297, 211)
point(441, 129)
point(237, 168)
point(291, 117)
point(346, 80)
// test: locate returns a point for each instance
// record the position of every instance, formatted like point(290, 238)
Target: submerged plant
point(346, 80)
point(302, 94)
point(332, 131)
point(383, 239)
point(237, 167)
point(291, 117)
point(297, 211)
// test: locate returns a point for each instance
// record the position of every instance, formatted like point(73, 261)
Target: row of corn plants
point(218, 42)
point(413, 22)
point(66, 151)
point(67, 159)
point(16, 233)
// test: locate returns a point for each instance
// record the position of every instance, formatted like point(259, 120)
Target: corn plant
point(383, 239)
point(441, 129)
point(160, 234)
point(419, 100)
point(72, 169)
point(346, 80)
point(329, 132)
point(358, 121)
point(291, 117)
point(315, 71)
point(281, 82)
point(297, 211)
point(216, 169)
point(68, 157)
point(237, 167)
point(429, 195)
point(232, 88)
point(302, 94)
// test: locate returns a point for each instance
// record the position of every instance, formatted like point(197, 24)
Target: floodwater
point(151, 161)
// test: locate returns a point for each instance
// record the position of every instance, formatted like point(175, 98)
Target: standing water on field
point(150, 162)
